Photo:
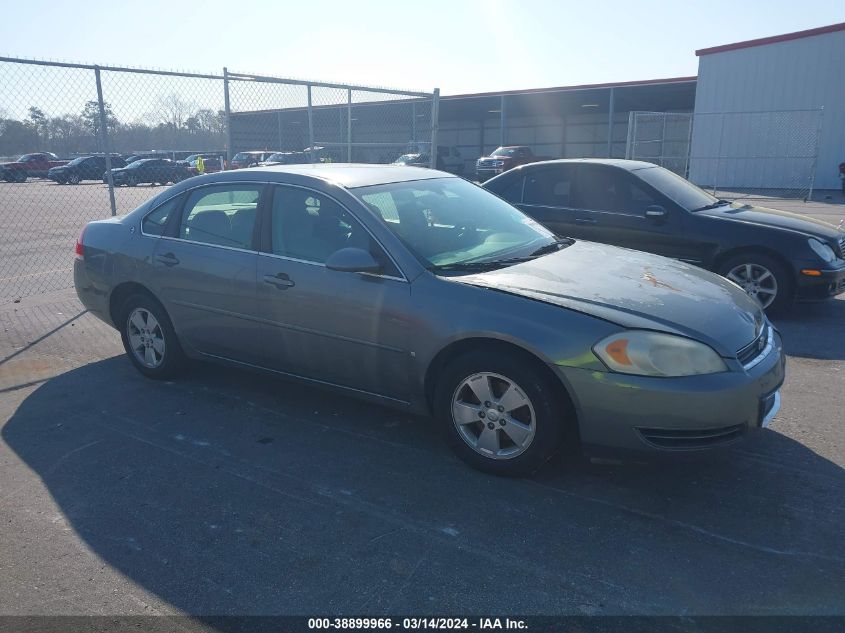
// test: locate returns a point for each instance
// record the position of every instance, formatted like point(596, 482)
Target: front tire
point(132, 181)
point(149, 338)
point(73, 179)
point(501, 414)
point(763, 278)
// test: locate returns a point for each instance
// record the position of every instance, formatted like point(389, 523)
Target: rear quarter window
point(155, 222)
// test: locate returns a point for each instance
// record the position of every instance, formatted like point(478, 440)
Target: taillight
point(80, 249)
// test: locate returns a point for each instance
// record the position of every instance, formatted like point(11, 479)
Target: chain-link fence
point(71, 133)
point(662, 138)
point(733, 154)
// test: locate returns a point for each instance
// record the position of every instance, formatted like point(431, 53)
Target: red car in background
point(250, 159)
point(36, 164)
point(503, 159)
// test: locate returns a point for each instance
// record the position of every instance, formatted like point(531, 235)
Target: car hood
point(763, 216)
point(634, 290)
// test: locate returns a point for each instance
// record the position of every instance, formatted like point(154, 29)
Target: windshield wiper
point(490, 264)
point(553, 247)
point(712, 205)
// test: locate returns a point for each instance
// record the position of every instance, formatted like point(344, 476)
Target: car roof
point(351, 175)
point(630, 165)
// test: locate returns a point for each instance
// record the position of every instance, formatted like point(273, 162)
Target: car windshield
point(504, 151)
point(279, 157)
point(407, 158)
point(450, 222)
point(77, 161)
point(676, 188)
point(136, 164)
point(241, 156)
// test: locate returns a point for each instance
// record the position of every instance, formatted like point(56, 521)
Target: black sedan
point(775, 256)
point(148, 170)
point(83, 168)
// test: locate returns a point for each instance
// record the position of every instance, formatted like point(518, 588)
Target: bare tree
point(174, 112)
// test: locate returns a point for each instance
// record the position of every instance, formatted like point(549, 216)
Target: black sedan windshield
point(676, 188)
point(450, 222)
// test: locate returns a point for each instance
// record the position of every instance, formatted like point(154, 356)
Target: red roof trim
point(833, 28)
point(617, 84)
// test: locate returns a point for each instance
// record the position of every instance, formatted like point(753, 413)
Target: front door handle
point(584, 221)
point(280, 280)
point(168, 259)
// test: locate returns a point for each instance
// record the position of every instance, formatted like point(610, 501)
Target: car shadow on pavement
point(227, 492)
point(814, 330)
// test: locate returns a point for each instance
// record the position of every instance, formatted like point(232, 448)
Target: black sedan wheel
point(148, 337)
point(501, 414)
point(73, 179)
point(763, 278)
point(132, 181)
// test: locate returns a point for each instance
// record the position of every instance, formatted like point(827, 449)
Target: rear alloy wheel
point(502, 415)
point(149, 338)
point(762, 278)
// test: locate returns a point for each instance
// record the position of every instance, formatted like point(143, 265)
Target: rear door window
point(222, 215)
point(550, 187)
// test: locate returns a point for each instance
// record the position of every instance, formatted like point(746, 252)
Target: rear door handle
point(168, 259)
point(280, 280)
point(585, 221)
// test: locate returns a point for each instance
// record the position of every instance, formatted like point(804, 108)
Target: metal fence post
point(610, 116)
point(815, 156)
point(719, 151)
point(349, 126)
point(104, 139)
point(228, 115)
point(435, 123)
point(629, 143)
point(310, 127)
point(502, 122)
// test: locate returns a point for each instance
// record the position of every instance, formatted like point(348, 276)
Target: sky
point(459, 46)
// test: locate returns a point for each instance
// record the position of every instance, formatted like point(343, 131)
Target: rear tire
point(73, 179)
point(759, 285)
point(132, 181)
point(21, 176)
point(522, 428)
point(149, 338)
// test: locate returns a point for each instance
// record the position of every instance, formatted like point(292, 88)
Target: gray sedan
point(420, 290)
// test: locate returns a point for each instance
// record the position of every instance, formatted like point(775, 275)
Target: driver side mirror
point(353, 260)
point(656, 213)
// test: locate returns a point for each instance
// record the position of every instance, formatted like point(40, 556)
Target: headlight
point(822, 250)
point(646, 353)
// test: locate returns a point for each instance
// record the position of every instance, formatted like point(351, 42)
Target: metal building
point(770, 112)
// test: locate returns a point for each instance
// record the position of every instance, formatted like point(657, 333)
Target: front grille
point(689, 439)
point(755, 349)
point(842, 247)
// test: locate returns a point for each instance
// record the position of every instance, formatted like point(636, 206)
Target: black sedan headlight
point(824, 251)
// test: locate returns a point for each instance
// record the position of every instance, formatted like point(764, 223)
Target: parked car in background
point(83, 168)
point(211, 164)
point(250, 159)
point(36, 165)
point(519, 344)
point(842, 175)
point(775, 256)
point(148, 170)
point(448, 159)
point(503, 159)
point(285, 158)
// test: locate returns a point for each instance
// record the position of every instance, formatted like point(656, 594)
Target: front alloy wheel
point(493, 416)
point(763, 278)
point(502, 412)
